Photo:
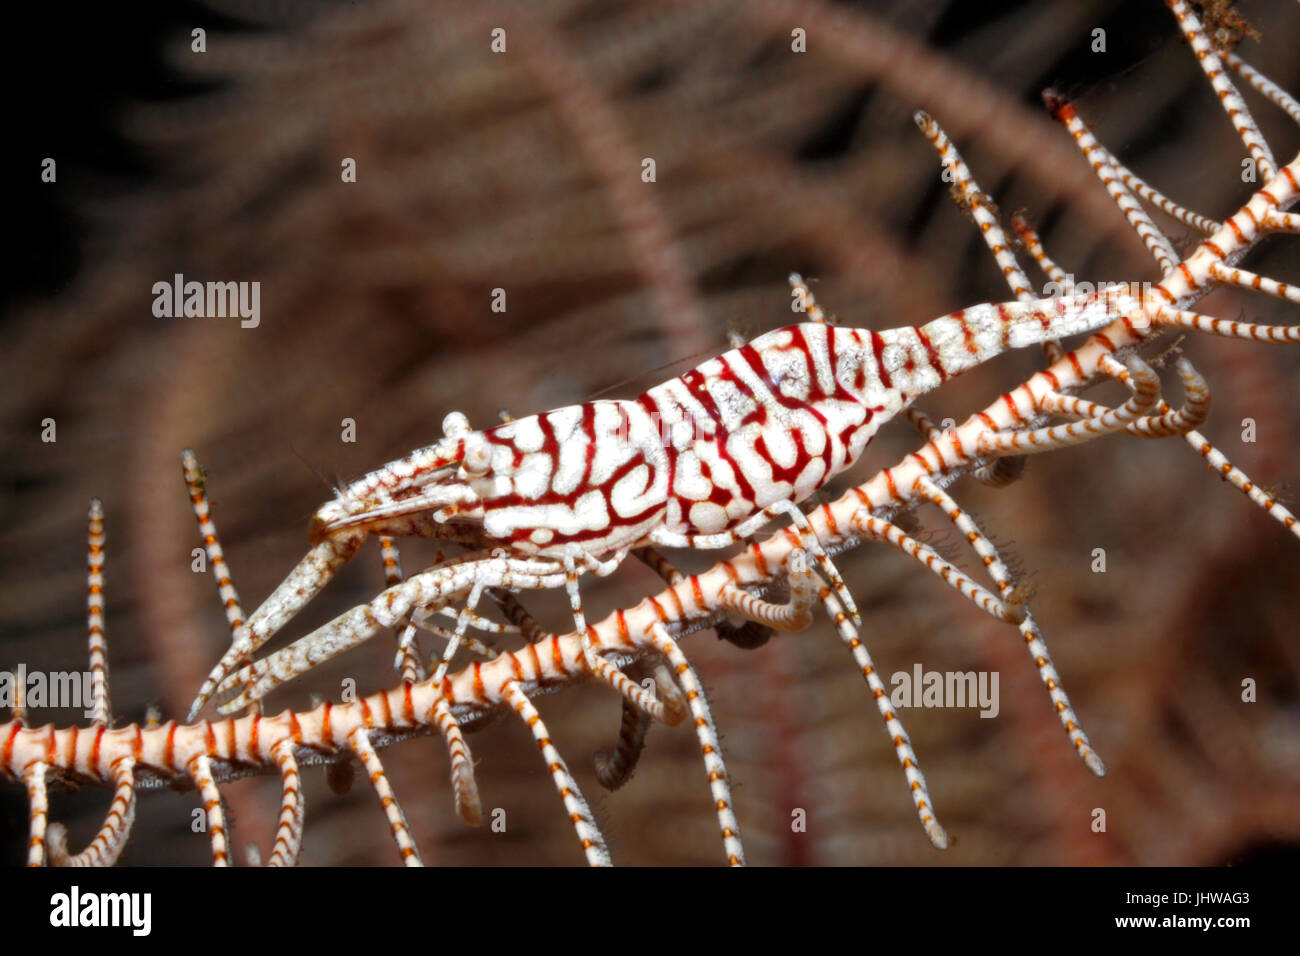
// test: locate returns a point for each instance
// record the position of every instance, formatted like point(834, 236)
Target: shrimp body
point(695, 457)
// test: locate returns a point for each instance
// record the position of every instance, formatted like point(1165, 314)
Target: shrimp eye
point(455, 425)
point(478, 456)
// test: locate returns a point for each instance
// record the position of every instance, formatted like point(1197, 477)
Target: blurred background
point(522, 171)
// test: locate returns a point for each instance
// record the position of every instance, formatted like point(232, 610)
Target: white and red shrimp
point(701, 461)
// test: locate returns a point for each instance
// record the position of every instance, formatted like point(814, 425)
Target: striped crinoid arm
point(101, 709)
point(1010, 426)
point(205, 754)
